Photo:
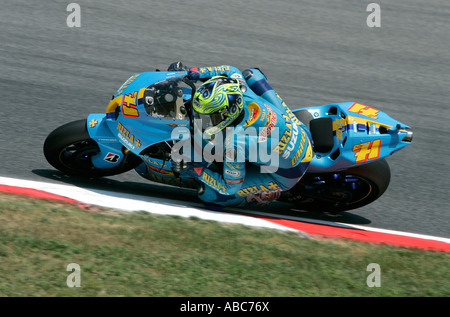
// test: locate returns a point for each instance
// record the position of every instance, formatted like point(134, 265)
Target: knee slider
point(256, 80)
point(248, 73)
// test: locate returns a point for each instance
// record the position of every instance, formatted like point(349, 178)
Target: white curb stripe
point(130, 202)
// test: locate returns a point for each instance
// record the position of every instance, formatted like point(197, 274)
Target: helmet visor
point(210, 120)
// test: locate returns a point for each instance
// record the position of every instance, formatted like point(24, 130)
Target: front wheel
point(70, 149)
point(340, 191)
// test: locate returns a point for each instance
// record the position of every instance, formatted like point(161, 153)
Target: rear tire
point(340, 191)
point(69, 149)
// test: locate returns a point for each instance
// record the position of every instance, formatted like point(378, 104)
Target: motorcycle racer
point(266, 148)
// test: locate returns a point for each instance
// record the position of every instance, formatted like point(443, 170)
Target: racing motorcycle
point(350, 142)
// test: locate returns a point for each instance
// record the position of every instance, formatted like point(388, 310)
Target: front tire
point(340, 191)
point(70, 149)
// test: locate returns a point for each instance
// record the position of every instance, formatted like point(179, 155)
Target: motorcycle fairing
point(110, 153)
point(361, 134)
point(127, 124)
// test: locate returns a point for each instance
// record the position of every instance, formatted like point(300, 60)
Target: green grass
point(141, 254)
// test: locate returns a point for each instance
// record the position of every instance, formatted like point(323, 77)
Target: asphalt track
point(313, 53)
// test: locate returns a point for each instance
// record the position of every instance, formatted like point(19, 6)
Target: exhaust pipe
point(408, 137)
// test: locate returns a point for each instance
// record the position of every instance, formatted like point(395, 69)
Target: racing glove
point(192, 73)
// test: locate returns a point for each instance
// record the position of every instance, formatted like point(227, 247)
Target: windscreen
point(164, 99)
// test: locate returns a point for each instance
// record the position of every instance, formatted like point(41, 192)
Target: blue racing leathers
point(266, 150)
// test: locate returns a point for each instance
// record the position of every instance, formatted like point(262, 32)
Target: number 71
point(367, 151)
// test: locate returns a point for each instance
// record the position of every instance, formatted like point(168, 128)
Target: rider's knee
point(257, 81)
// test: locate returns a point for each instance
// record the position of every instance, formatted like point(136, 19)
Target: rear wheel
point(344, 190)
point(70, 149)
